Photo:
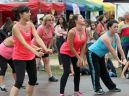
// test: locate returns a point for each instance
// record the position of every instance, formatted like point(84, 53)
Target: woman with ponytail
point(72, 51)
point(23, 53)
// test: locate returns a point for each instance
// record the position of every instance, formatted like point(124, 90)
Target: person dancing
point(46, 32)
point(96, 53)
point(23, 53)
point(6, 50)
point(72, 51)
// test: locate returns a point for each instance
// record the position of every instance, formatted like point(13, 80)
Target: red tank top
point(77, 43)
point(19, 51)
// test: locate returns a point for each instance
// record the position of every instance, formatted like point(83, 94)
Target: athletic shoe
point(53, 79)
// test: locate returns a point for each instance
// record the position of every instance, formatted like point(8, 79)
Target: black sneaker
point(115, 90)
point(53, 79)
point(3, 89)
point(23, 87)
point(36, 83)
point(100, 92)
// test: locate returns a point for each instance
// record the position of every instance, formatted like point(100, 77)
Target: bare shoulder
point(15, 27)
point(30, 24)
point(105, 37)
point(71, 31)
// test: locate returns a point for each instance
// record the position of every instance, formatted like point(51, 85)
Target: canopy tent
point(47, 7)
point(6, 10)
point(10, 6)
point(84, 5)
point(70, 7)
point(106, 6)
point(34, 5)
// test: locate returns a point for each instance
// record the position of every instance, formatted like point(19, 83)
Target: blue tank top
point(99, 48)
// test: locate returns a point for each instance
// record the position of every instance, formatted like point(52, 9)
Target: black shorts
point(45, 55)
point(4, 62)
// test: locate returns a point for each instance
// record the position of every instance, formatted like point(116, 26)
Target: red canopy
point(58, 6)
point(34, 5)
point(9, 7)
point(47, 7)
point(6, 10)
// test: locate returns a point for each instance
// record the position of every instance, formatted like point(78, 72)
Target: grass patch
point(118, 71)
point(58, 72)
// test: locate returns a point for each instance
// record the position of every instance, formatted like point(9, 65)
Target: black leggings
point(59, 42)
point(3, 65)
point(66, 66)
point(25, 65)
point(98, 70)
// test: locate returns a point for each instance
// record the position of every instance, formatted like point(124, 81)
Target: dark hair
point(72, 21)
point(19, 10)
point(100, 18)
point(7, 25)
point(64, 23)
point(94, 24)
point(110, 23)
point(41, 18)
point(121, 18)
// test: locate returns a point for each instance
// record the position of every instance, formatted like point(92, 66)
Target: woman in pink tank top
point(72, 51)
point(24, 53)
point(6, 50)
point(46, 33)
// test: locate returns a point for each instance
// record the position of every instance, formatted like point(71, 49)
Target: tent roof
point(106, 6)
point(84, 4)
point(35, 5)
point(10, 6)
point(47, 7)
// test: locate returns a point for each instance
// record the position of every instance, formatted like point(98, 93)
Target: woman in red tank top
point(72, 51)
point(24, 53)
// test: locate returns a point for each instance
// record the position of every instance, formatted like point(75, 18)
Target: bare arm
point(83, 50)
point(8, 41)
point(107, 42)
point(18, 35)
point(38, 39)
point(64, 32)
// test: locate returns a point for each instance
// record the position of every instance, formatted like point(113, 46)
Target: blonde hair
point(45, 18)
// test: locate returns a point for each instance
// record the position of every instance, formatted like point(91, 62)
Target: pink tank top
point(77, 43)
point(46, 37)
point(6, 51)
point(20, 52)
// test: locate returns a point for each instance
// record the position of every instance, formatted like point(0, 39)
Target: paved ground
point(46, 88)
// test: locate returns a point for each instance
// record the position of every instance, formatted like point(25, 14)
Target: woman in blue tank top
point(96, 57)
